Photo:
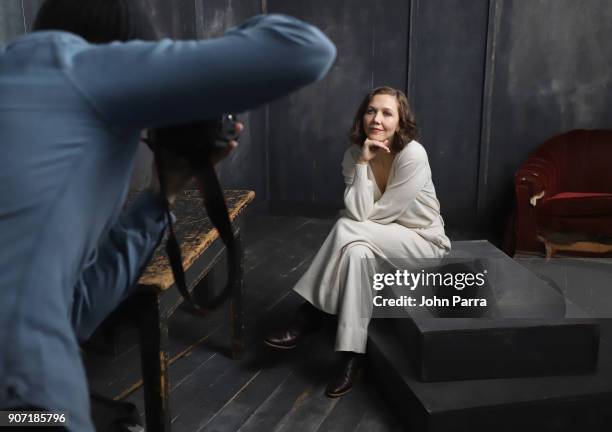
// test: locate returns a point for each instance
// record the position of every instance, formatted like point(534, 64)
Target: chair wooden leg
point(236, 307)
point(548, 247)
point(550, 250)
point(154, 360)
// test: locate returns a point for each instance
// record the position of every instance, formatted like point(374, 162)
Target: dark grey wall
point(11, 20)
point(489, 80)
point(309, 129)
point(445, 76)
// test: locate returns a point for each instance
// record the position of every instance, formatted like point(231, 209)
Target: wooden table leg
point(236, 306)
point(154, 360)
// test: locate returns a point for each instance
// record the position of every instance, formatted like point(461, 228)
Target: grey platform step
point(562, 404)
point(521, 333)
point(459, 349)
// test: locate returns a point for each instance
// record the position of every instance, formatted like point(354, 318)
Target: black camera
point(228, 127)
point(196, 141)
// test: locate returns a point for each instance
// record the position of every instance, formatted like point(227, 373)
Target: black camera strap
point(216, 209)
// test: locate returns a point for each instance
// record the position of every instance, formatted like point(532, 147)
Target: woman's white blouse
point(409, 198)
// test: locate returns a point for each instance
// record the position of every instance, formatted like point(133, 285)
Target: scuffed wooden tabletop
point(194, 231)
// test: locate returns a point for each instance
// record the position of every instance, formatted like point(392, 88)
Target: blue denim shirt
point(70, 118)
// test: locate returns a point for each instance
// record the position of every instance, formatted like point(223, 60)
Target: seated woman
point(391, 212)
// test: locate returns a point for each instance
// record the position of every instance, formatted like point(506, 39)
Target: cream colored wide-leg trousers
point(336, 280)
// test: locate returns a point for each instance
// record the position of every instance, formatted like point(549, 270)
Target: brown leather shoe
point(283, 339)
point(306, 320)
point(352, 369)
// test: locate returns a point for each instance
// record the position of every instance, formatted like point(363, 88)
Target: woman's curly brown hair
point(407, 123)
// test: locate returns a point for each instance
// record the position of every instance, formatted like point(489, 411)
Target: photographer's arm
point(146, 84)
point(118, 262)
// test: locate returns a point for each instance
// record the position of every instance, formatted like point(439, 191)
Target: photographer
point(72, 109)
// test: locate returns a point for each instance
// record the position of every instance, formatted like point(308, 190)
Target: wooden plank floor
point(267, 390)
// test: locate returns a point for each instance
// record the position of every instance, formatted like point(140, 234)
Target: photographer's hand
point(220, 155)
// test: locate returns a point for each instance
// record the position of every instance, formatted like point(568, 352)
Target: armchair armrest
point(539, 177)
point(534, 199)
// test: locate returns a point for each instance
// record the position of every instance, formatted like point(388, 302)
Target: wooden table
point(158, 298)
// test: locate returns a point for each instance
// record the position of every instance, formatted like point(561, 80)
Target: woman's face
point(381, 119)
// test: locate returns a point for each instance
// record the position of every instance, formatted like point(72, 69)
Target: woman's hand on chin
point(371, 148)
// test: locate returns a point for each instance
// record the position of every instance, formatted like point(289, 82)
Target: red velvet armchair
point(565, 187)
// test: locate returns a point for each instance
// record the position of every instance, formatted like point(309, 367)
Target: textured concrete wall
point(445, 78)
point(11, 20)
